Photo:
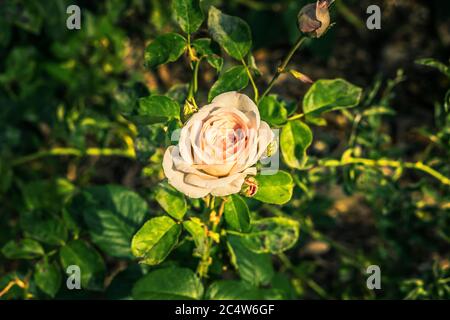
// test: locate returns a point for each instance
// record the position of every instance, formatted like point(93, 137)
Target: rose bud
point(249, 187)
point(314, 18)
point(218, 148)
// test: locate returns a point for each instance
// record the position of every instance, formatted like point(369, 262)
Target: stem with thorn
point(387, 163)
point(252, 81)
point(284, 64)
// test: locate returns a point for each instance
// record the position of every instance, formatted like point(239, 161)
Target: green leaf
point(49, 230)
point(90, 262)
point(433, 63)
point(232, 290)
point(154, 241)
point(209, 50)
point(274, 189)
point(171, 200)
point(113, 214)
point(234, 79)
point(271, 235)
point(254, 268)
point(47, 277)
point(196, 229)
point(328, 95)
point(156, 109)
point(188, 14)
point(23, 249)
point(232, 33)
point(165, 48)
point(237, 214)
point(172, 283)
point(295, 139)
point(272, 111)
point(48, 195)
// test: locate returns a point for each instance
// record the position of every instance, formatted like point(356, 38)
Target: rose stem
point(205, 261)
point(250, 76)
point(284, 64)
point(127, 153)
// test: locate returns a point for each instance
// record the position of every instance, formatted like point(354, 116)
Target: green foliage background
point(81, 148)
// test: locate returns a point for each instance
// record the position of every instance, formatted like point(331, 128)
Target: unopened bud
point(314, 18)
point(249, 187)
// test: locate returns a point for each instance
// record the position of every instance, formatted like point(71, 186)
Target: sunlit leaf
point(237, 214)
point(275, 189)
point(272, 111)
point(188, 14)
point(196, 229)
point(23, 249)
point(234, 79)
point(165, 48)
point(171, 200)
point(328, 95)
point(232, 33)
point(154, 241)
point(295, 139)
point(156, 109)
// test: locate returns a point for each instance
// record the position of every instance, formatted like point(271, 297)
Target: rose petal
point(234, 99)
point(234, 186)
point(177, 178)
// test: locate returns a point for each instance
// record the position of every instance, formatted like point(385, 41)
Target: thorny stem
point(127, 153)
point(284, 64)
point(252, 81)
point(193, 85)
point(387, 163)
point(214, 221)
point(16, 282)
point(349, 15)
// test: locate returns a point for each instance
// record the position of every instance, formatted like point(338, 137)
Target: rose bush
point(91, 177)
point(218, 147)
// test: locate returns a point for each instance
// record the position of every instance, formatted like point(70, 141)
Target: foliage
point(84, 129)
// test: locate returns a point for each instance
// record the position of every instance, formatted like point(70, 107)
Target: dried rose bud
point(301, 76)
point(314, 18)
point(249, 187)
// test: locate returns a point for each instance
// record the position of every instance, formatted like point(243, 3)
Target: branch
point(388, 163)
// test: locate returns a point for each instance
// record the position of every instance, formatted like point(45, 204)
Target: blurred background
point(68, 88)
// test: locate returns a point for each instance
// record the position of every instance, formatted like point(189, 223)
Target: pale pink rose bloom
point(218, 147)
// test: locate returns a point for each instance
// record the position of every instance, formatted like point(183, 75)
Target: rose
point(218, 147)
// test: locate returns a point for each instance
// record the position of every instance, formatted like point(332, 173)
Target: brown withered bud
point(314, 18)
point(249, 187)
